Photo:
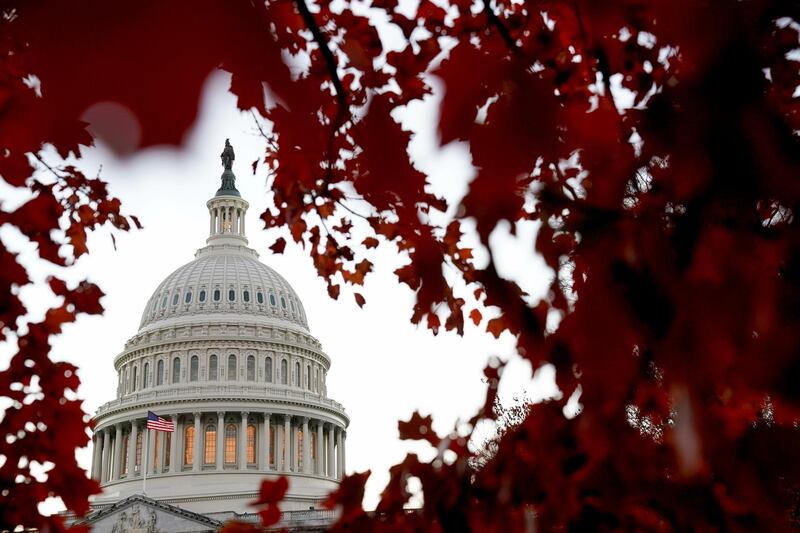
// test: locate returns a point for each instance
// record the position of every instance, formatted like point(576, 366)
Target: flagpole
point(145, 459)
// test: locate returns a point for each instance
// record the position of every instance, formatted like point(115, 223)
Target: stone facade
point(224, 352)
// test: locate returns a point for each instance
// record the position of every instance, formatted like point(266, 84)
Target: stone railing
point(246, 392)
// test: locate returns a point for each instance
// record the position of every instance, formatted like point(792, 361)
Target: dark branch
point(322, 42)
point(501, 28)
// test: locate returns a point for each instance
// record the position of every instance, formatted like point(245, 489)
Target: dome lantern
point(227, 209)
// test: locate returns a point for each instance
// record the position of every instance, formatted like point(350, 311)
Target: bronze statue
point(227, 156)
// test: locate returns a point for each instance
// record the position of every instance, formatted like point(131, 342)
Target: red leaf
point(418, 428)
point(278, 246)
point(359, 299)
point(476, 316)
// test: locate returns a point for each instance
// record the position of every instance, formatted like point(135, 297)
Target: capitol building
point(224, 352)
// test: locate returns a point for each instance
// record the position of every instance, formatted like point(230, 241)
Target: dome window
point(175, 299)
point(164, 302)
point(246, 296)
point(194, 368)
point(231, 367)
point(271, 300)
point(176, 370)
point(232, 295)
point(260, 297)
point(283, 302)
point(292, 302)
point(251, 368)
point(212, 368)
point(217, 295)
point(268, 369)
point(202, 295)
point(188, 298)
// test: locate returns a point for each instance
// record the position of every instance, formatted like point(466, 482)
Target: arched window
point(212, 367)
point(194, 368)
point(251, 368)
point(230, 444)
point(138, 456)
point(176, 370)
point(260, 297)
point(283, 302)
point(202, 295)
point(188, 298)
point(146, 377)
point(175, 298)
point(217, 295)
point(284, 372)
point(251, 444)
point(246, 296)
point(268, 369)
point(231, 366)
point(308, 377)
point(160, 372)
point(125, 444)
point(297, 374)
point(164, 301)
point(127, 381)
point(271, 300)
point(211, 444)
point(188, 445)
point(231, 295)
point(133, 383)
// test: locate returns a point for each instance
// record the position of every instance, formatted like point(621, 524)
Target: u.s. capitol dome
point(224, 353)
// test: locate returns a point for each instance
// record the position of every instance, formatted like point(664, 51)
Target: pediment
point(140, 514)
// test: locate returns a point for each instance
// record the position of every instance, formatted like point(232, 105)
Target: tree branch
point(501, 28)
point(322, 42)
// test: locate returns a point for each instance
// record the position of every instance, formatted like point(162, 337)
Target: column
point(117, 465)
point(320, 446)
point(286, 443)
point(220, 440)
point(344, 455)
point(132, 449)
point(331, 464)
point(339, 471)
point(174, 444)
point(106, 450)
point(263, 443)
point(295, 449)
point(197, 462)
point(162, 451)
point(97, 455)
point(306, 447)
point(243, 218)
point(243, 443)
point(98, 466)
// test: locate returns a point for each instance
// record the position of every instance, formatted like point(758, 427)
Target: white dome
point(224, 354)
point(224, 280)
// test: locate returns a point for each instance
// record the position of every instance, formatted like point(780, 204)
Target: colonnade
point(227, 219)
point(220, 441)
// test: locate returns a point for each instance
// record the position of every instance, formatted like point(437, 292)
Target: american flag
point(159, 424)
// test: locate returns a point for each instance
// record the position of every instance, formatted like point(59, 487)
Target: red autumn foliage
point(655, 144)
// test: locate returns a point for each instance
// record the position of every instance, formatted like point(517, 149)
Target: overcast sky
point(383, 368)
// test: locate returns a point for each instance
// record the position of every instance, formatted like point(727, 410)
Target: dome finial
point(228, 187)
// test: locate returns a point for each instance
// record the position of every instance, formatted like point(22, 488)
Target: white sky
point(383, 367)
